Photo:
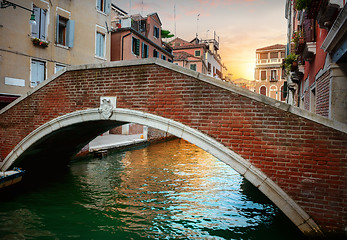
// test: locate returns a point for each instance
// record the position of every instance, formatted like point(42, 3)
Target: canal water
point(170, 190)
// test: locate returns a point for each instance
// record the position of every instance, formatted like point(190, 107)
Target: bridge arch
point(121, 116)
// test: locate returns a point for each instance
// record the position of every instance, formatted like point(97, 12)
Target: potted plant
point(39, 42)
point(301, 4)
point(290, 63)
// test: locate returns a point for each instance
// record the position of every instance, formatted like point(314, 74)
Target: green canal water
point(170, 190)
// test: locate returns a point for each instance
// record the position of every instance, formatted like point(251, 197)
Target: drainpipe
point(123, 43)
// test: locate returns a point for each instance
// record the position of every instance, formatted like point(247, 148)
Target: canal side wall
point(304, 154)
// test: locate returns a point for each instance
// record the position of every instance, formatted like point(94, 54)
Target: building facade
point(317, 39)
point(136, 37)
point(199, 55)
point(269, 75)
point(66, 33)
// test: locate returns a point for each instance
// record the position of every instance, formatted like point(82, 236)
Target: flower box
point(39, 42)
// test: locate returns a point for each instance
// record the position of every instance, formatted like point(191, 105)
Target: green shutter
point(285, 89)
point(137, 47)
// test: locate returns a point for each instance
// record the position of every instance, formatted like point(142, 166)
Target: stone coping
point(202, 77)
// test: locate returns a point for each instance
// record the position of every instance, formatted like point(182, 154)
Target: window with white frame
point(38, 30)
point(65, 29)
point(38, 72)
point(103, 6)
point(100, 45)
point(273, 75)
point(58, 67)
point(197, 53)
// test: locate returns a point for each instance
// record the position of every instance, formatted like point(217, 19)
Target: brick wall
point(306, 159)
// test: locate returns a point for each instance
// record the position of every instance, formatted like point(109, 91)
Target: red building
point(199, 55)
point(317, 40)
point(136, 37)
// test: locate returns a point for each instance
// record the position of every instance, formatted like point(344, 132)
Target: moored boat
point(11, 177)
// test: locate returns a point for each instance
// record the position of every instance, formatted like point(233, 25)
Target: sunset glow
point(242, 25)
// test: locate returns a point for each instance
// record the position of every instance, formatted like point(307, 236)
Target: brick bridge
point(297, 159)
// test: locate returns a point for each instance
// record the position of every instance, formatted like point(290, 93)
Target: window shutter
point(143, 50)
point(137, 49)
point(147, 52)
point(70, 33)
point(43, 14)
point(35, 28)
point(57, 30)
point(98, 4)
point(33, 79)
point(285, 90)
point(107, 6)
point(102, 45)
point(97, 45)
point(41, 72)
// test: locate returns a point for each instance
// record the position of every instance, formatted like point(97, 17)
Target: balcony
point(269, 61)
point(309, 51)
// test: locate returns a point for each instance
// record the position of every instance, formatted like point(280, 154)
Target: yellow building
point(66, 33)
point(269, 75)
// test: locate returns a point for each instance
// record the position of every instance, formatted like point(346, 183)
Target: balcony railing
point(269, 61)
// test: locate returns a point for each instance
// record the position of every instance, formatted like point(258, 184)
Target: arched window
point(263, 90)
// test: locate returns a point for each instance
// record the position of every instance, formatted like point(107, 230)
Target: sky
point(242, 25)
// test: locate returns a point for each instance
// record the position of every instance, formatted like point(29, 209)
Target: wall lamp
point(5, 4)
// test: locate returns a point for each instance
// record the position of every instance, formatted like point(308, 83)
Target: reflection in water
point(169, 190)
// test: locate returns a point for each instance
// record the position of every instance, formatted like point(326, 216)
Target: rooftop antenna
point(175, 17)
point(142, 7)
point(197, 27)
point(129, 7)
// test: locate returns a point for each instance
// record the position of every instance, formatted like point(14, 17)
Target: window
point(58, 67)
point(155, 53)
point(263, 75)
point(209, 67)
point(39, 29)
point(65, 31)
point(103, 6)
point(38, 70)
point(263, 55)
point(197, 53)
point(156, 32)
point(163, 57)
point(100, 45)
point(193, 67)
point(273, 75)
point(274, 55)
point(263, 90)
point(144, 50)
point(136, 46)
